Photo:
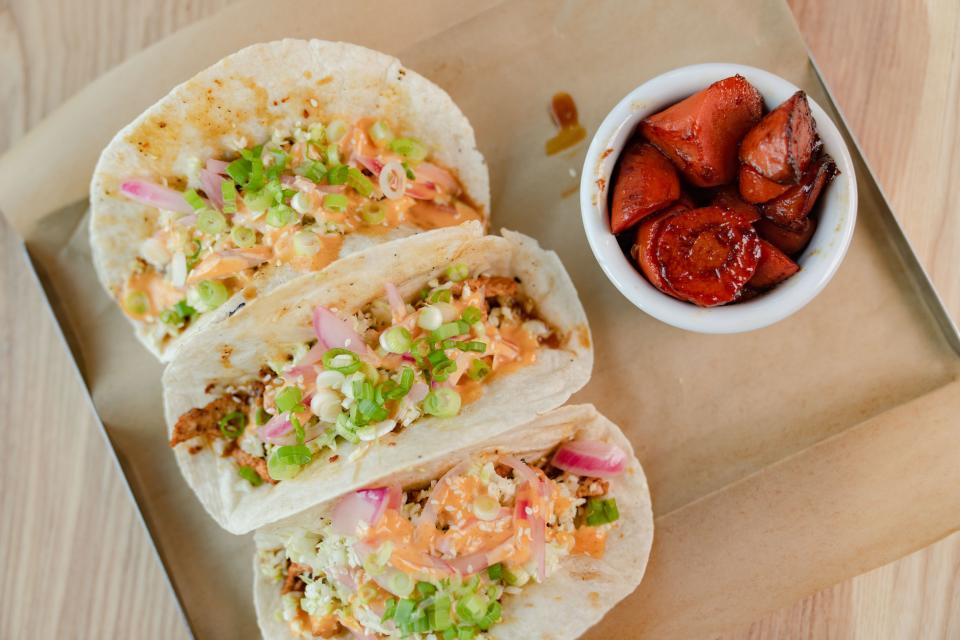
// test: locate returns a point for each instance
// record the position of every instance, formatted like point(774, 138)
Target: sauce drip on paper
point(563, 110)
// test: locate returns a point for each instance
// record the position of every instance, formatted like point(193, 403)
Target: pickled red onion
point(590, 458)
point(155, 195)
point(275, 428)
point(365, 505)
point(335, 332)
point(397, 305)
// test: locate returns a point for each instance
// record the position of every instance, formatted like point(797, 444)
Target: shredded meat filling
point(204, 421)
point(290, 582)
point(493, 286)
point(592, 487)
point(244, 459)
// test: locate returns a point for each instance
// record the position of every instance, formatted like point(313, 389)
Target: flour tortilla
point(583, 589)
point(248, 95)
point(238, 347)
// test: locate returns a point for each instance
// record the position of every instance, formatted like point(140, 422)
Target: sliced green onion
point(471, 315)
point(262, 417)
point(281, 465)
point(390, 607)
point(338, 174)
point(336, 130)
point(466, 633)
point(449, 330)
point(404, 611)
point(317, 133)
point(367, 592)
point(409, 148)
point(478, 370)
point(473, 345)
point(381, 133)
point(211, 221)
point(331, 153)
point(232, 425)
point(251, 476)
point(243, 237)
point(136, 303)
point(288, 399)
point(280, 215)
point(306, 243)
point(312, 170)
point(491, 617)
point(171, 317)
point(259, 200)
point(396, 339)
point(472, 608)
point(194, 200)
point(441, 620)
point(373, 212)
point(495, 571)
point(336, 202)
point(429, 318)
point(228, 189)
point(239, 170)
point(342, 360)
point(457, 272)
point(440, 295)
point(359, 182)
point(443, 370)
point(400, 584)
point(407, 170)
point(298, 428)
point(294, 454)
point(425, 589)
point(442, 402)
point(212, 293)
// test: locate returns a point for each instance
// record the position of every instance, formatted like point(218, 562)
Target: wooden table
point(76, 563)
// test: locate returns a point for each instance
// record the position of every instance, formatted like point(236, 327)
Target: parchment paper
point(780, 461)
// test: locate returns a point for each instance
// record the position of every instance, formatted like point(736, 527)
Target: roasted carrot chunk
point(790, 209)
point(645, 182)
point(782, 146)
point(729, 198)
point(644, 249)
point(700, 134)
point(773, 267)
point(706, 255)
point(790, 241)
point(756, 189)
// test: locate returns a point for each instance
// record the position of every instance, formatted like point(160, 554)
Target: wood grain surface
point(75, 561)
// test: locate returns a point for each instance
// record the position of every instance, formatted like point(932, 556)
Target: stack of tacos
point(357, 371)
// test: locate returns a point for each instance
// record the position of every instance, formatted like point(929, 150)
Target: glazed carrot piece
point(790, 209)
point(700, 134)
point(782, 146)
point(707, 255)
point(756, 189)
point(790, 241)
point(645, 182)
point(729, 198)
point(773, 267)
point(644, 249)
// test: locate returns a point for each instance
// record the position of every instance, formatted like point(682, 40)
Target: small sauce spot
point(563, 110)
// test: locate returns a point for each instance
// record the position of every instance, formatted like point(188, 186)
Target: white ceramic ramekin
point(837, 206)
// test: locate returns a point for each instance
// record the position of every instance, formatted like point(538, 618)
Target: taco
point(534, 534)
point(272, 163)
point(384, 359)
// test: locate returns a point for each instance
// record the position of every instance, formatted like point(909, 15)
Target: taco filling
point(290, 201)
point(371, 374)
point(438, 561)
